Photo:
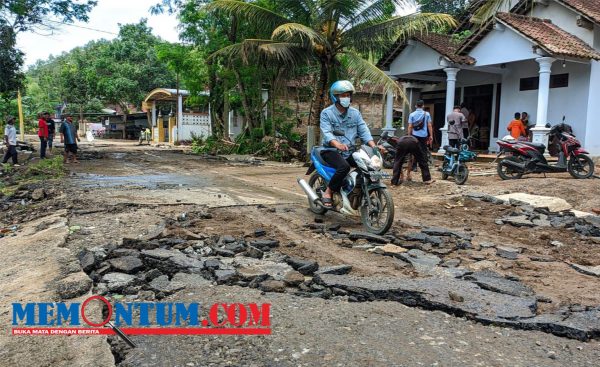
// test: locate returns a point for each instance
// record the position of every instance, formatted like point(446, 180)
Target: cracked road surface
point(122, 191)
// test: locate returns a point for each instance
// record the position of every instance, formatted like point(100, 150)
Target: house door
point(479, 102)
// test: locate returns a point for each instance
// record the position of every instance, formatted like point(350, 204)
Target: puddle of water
point(156, 181)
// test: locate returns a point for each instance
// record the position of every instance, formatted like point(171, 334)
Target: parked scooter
point(389, 143)
point(525, 157)
point(363, 193)
point(455, 162)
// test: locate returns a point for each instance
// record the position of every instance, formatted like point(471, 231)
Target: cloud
point(106, 16)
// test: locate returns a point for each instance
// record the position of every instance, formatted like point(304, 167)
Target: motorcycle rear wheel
point(581, 166)
point(318, 184)
point(388, 161)
point(461, 175)
point(379, 216)
point(507, 173)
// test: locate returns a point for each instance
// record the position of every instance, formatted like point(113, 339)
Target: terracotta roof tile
point(548, 36)
point(443, 44)
point(588, 8)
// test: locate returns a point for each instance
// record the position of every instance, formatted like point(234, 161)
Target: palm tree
point(486, 9)
point(342, 37)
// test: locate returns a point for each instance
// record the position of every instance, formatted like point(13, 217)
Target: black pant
point(454, 143)
point(403, 149)
point(342, 166)
point(466, 132)
point(43, 145)
point(11, 151)
point(50, 140)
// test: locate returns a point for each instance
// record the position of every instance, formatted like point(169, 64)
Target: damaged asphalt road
point(137, 227)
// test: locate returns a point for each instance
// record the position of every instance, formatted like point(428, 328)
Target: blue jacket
point(351, 123)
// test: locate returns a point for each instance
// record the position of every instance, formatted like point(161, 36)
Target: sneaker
point(16, 165)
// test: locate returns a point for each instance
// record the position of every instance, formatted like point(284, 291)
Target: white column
point(492, 146)
point(592, 127)
point(154, 124)
point(540, 132)
point(389, 113)
point(179, 115)
point(450, 95)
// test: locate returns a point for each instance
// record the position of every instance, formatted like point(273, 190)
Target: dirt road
point(120, 193)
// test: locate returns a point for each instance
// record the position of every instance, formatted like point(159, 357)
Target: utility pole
point(21, 120)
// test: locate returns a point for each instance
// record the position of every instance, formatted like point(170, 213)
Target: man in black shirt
point(51, 132)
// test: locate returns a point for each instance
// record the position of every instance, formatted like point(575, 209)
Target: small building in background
point(170, 121)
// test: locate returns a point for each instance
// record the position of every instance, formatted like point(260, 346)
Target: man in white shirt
point(10, 139)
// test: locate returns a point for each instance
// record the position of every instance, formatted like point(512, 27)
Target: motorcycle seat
point(450, 149)
point(538, 146)
point(317, 151)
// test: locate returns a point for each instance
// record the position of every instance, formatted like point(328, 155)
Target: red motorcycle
point(525, 157)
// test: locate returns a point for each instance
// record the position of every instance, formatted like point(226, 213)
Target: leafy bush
point(45, 169)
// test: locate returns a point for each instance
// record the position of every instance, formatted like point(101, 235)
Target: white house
point(541, 57)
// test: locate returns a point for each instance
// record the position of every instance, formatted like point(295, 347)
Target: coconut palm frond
point(366, 37)
point(301, 10)
point(263, 52)
point(252, 12)
point(487, 9)
point(284, 54)
point(295, 32)
point(363, 70)
point(376, 10)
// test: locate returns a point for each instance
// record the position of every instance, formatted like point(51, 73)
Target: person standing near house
point(10, 139)
point(525, 120)
point(455, 122)
point(419, 126)
point(516, 127)
point(68, 136)
point(51, 132)
point(468, 116)
point(43, 133)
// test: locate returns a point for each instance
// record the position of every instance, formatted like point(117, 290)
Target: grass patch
point(44, 169)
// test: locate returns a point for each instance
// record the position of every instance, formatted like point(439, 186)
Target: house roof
point(443, 44)
point(548, 36)
point(588, 8)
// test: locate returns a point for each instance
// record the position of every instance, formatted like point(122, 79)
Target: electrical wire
point(82, 27)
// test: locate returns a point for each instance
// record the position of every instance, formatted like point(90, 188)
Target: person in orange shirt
point(516, 127)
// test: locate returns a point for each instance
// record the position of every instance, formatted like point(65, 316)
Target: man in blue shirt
point(68, 136)
point(419, 126)
point(340, 116)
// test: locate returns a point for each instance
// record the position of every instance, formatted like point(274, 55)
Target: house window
point(533, 83)
point(559, 81)
point(529, 83)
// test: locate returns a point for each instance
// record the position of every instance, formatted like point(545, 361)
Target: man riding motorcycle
point(341, 117)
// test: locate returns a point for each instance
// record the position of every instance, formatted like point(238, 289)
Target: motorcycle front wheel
point(318, 184)
point(379, 216)
point(581, 166)
point(461, 175)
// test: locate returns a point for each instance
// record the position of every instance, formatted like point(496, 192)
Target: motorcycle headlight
point(376, 162)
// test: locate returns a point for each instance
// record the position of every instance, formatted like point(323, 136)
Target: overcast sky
point(106, 16)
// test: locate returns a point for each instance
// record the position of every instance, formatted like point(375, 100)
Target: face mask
point(345, 102)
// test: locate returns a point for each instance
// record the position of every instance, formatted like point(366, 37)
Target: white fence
point(196, 123)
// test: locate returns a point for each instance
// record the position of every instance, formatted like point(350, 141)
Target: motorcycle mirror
point(338, 133)
point(384, 135)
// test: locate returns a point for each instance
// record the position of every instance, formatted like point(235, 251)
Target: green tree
point(21, 15)
point(341, 37)
point(455, 8)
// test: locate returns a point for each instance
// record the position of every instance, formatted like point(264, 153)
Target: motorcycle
point(454, 162)
point(389, 143)
point(363, 193)
point(526, 157)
